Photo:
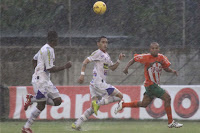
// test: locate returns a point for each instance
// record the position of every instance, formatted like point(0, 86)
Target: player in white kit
point(45, 91)
point(101, 92)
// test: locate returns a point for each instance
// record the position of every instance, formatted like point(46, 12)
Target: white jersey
point(102, 62)
point(45, 58)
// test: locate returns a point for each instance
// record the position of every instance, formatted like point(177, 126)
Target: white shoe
point(175, 124)
point(119, 107)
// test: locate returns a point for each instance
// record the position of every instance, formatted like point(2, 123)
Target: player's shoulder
point(161, 55)
point(47, 48)
point(142, 55)
point(96, 52)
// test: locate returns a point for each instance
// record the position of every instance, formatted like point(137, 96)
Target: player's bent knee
point(167, 98)
point(120, 95)
point(57, 101)
point(94, 98)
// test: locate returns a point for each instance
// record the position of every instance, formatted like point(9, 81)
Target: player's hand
point(68, 64)
point(121, 56)
point(125, 71)
point(81, 79)
point(175, 72)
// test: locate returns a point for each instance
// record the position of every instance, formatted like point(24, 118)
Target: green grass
point(102, 126)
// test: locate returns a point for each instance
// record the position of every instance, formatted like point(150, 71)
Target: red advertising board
point(76, 99)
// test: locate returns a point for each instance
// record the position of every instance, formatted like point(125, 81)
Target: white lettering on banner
point(186, 103)
point(158, 103)
point(101, 115)
point(65, 105)
point(80, 99)
point(126, 113)
point(20, 94)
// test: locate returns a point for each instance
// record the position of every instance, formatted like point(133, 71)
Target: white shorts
point(103, 93)
point(100, 84)
point(44, 88)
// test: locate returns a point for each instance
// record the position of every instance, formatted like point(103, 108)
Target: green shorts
point(154, 91)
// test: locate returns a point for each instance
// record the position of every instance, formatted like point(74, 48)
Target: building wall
point(17, 70)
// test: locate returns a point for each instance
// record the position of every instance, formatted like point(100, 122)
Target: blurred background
point(130, 26)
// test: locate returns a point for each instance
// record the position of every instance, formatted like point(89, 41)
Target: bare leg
point(166, 97)
point(145, 101)
point(35, 113)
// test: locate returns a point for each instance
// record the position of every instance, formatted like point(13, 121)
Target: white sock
point(111, 99)
point(84, 117)
point(35, 113)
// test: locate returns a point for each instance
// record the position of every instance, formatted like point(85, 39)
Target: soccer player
point(101, 92)
point(154, 63)
point(45, 91)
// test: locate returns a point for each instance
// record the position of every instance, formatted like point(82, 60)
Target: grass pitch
point(102, 126)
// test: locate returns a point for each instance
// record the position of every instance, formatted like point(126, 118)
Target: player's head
point(102, 43)
point(52, 38)
point(154, 49)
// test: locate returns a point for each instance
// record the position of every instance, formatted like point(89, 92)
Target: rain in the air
point(117, 66)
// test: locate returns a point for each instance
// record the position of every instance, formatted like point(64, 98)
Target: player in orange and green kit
point(154, 63)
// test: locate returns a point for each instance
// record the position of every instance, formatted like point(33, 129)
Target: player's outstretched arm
point(84, 64)
point(60, 68)
point(171, 71)
point(131, 62)
point(114, 66)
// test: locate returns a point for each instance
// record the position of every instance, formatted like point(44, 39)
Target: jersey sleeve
point(140, 58)
point(36, 56)
point(48, 57)
point(165, 63)
point(95, 56)
point(110, 63)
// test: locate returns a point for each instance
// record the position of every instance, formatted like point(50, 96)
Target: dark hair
point(99, 39)
point(52, 36)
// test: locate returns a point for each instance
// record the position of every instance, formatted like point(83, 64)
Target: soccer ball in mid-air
point(99, 7)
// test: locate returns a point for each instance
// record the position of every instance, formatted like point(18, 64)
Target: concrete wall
point(16, 67)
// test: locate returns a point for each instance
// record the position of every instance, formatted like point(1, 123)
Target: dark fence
point(173, 23)
point(4, 102)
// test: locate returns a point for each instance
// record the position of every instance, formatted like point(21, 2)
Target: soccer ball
point(99, 7)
